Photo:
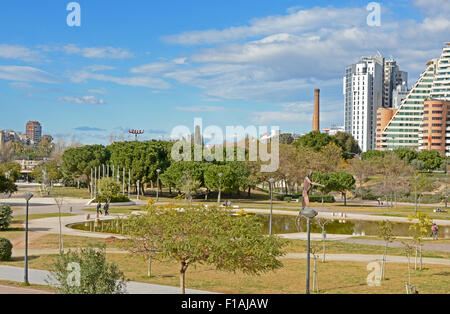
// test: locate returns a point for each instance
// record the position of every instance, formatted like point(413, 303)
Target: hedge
point(5, 250)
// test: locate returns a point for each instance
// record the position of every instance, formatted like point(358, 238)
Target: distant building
point(421, 121)
point(369, 85)
point(384, 116)
point(34, 132)
point(333, 130)
point(363, 90)
point(10, 136)
point(400, 93)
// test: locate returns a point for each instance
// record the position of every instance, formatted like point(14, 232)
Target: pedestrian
point(434, 231)
point(106, 208)
point(99, 208)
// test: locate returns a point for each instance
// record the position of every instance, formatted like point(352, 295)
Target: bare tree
point(59, 200)
point(323, 223)
point(385, 231)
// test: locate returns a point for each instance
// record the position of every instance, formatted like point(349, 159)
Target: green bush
point(5, 250)
point(288, 199)
point(116, 199)
point(95, 274)
point(5, 216)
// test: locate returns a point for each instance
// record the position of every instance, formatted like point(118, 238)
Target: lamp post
point(158, 171)
point(416, 178)
point(309, 214)
point(271, 182)
point(220, 188)
point(27, 196)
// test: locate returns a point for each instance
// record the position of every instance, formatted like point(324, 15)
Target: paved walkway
point(19, 290)
point(40, 277)
point(427, 246)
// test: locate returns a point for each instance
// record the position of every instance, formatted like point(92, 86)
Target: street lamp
point(220, 188)
point(271, 182)
point(309, 214)
point(416, 178)
point(27, 196)
point(158, 171)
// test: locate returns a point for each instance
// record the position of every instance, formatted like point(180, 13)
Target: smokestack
point(316, 118)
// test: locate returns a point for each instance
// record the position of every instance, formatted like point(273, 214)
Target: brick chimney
point(316, 118)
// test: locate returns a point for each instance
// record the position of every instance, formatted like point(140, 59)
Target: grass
point(51, 241)
point(348, 277)
point(337, 247)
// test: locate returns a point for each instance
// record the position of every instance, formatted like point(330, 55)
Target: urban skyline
point(231, 69)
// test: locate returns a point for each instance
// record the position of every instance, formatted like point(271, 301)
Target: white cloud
point(26, 74)
point(200, 109)
point(277, 58)
point(84, 100)
point(98, 52)
point(302, 21)
point(138, 81)
point(18, 53)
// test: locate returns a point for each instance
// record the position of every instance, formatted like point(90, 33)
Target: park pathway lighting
point(271, 182)
point(158, 171)
point(220, 188)
point(309, 214)
point(27, 196)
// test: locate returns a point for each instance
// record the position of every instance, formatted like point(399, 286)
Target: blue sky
point(154, 65)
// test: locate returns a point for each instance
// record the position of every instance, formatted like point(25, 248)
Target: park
point(366, 220)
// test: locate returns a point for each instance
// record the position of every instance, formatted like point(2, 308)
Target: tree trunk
point(415, 259)
point(150, 266)
point(383, 270)
point(182, 277)
point(421, 262)
point(249, 192)
point(324, 245)
point(345, 199)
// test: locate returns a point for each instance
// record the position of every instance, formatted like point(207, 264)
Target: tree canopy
point(209, 236)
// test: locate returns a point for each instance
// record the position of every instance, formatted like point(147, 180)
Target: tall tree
point(315, 140)
point(342, 182)
point(80, 160)
point(210, 236)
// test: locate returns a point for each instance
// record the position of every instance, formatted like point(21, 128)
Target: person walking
point(434, 231)
point(106, 208)
point(99, 208)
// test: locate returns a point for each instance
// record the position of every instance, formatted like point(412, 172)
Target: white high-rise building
point(363, 90)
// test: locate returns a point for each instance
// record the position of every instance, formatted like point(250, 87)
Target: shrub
point(288, 199)
point(5, 250)
point(96, 275)
point(116, 199)
point(5, 216)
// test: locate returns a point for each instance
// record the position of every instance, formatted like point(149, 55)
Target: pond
point(283, 224)
point(287, 224)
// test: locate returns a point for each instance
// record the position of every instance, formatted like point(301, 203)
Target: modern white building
point(369, 85)
point(363, 90)
point(417, 128)
point(399, 94)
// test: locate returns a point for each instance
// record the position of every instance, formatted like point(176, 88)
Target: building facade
point(363, 90)
point(421, 119)
point(34, 132)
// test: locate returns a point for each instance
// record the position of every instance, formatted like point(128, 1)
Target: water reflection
point(287, 224)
